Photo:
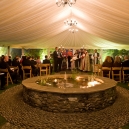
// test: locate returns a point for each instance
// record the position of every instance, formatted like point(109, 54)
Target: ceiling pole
point(8, 51)
point(101, 53)
point(48, 51)
point(22, 51)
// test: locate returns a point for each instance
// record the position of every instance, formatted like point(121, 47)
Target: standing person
point(95, 59)
point(55, 59)
point(82, 63)
point(64, 60)
point(74, 58)
point(59, 59)
point(77, 59)
point(69, 55)
point(86, 61)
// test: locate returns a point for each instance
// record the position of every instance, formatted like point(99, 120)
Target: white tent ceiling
point(40, 24)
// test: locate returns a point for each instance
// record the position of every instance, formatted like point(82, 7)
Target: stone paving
point(22, 116)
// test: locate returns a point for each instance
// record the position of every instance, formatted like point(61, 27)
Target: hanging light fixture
point(70, 22)
point(64, 2)
point(73, 30)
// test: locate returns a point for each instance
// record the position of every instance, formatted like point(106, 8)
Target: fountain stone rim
point(31, 84)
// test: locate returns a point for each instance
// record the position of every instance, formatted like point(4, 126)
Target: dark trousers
point(55, 65)
point(69, 62)
point(59, 63)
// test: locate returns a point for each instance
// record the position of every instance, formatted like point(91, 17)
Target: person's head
point(64, 50)
point(126, 57)
point(46, 56)
point(108, 59)
point(17, 58)
point(95, 50)
point(56, 48)
point(6, 58)
point(29, 58)
point(59, 50)
point(9, 57)
point(117, 59)
point(85, 50)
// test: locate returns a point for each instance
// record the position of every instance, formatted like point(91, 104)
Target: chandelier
point(70, 22)
point(64, 2)
point(73, 30)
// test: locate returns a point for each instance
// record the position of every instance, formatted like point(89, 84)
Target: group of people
point(6, 63)
point(63, 59)
point(80, 59)
point(117, 62)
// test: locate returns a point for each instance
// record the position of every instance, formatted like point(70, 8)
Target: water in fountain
point(69, 81)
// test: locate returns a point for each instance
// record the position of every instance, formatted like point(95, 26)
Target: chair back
point(29, 69)
point(125, 72)
point(15, 68)
point(43, 68)
point(107, 70)
point(116, 71)
point(7, 75)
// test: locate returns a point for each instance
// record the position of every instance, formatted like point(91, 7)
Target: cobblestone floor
point(22, 116)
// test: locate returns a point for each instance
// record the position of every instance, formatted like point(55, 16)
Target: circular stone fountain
point(69, 99)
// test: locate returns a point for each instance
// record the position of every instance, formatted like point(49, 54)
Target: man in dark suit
point(125, 63)
point(47, 61)
point(16, 63)
point(60, 58)
point(4, 65)
point(55, 59)
point(29, 61)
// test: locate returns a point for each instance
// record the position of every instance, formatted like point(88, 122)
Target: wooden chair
point(14, 68)
point(8, 77)
point(43, 68)
point(29, 73)
point(124, 72)
point(114, 70)
point(108, 70)
point(97, 69)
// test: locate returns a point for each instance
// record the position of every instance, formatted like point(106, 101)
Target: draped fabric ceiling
point(102, 24)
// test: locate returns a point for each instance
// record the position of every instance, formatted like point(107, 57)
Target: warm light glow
point(65, 76)
point(73, 30)
point(70, 22)
point(64, 2)
point(55, 80)
point(78, 78)
point(92, 84)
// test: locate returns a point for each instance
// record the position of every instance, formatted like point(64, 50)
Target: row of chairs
point(8, 76)
point(43, 68)
point(121, 74)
